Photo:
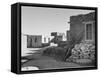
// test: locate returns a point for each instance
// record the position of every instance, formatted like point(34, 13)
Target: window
point(44, 39)
point(48, 39)
point(89, 31)
point(29, 42)
point(35, 39)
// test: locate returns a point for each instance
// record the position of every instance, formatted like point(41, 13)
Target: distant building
point(57, 37)
point(46, 39)
point(82, 27)
point(54, 34)
point(34, 41)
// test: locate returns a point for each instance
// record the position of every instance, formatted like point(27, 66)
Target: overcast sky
point(43, 21)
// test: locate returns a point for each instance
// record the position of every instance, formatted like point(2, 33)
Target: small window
point(89, 31)
point(35, 39)
point(29, 42)
point(48, 39)
point(44, 39)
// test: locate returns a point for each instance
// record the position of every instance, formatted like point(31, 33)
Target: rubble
point(82, 51)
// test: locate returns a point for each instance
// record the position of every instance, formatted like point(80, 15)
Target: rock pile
point(82, 51)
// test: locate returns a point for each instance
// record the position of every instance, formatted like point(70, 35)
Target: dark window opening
point(88, 31)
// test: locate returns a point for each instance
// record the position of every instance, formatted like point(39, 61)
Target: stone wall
point(82, 51)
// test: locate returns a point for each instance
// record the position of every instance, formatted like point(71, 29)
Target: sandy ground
point(46, 62)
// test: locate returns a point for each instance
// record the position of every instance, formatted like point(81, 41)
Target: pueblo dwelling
point(82, 27)
point(34, 41)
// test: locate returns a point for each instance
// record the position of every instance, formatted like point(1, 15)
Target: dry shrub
point(56, 52)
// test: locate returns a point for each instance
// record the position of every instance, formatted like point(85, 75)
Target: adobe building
point(28, 42)
point(82, 27)
point(34, 41)
point(57, 38)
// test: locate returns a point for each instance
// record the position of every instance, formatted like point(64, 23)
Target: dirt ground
point(46, 62)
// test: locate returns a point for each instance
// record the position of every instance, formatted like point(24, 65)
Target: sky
point(43, 21)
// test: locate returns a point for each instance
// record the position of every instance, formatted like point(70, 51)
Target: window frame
point(89, 22)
